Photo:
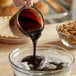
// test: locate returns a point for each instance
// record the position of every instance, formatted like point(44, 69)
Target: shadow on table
point(4, 47)
point(59, 43)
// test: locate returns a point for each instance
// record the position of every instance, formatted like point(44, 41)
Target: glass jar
point(14, 22)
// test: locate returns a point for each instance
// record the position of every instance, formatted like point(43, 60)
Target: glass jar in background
point(74, 10)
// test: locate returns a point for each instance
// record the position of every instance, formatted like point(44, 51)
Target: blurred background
point(54, 11)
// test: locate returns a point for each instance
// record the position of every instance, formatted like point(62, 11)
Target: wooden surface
point(49, 36)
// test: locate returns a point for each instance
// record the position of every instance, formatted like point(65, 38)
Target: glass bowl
point(51, 51)
point(67, 39)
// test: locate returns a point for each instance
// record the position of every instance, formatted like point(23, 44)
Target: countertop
point(49, 36)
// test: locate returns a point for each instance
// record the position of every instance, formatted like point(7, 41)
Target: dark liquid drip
point(30, 23)
point(38, 59)
point(34, 38)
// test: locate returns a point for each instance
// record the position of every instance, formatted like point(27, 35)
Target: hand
point(21, 3)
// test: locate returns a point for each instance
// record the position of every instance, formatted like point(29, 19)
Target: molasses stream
point(31, 24)
point(30, 21)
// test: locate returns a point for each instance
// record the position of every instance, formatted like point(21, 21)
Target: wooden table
point(49, 36)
